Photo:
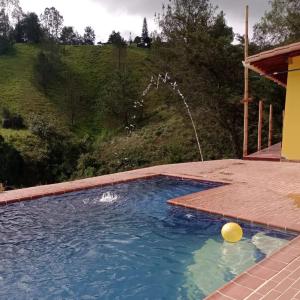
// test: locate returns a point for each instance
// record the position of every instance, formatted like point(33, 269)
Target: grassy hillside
point(95, 141)
point(20, 94)
point(17, 90)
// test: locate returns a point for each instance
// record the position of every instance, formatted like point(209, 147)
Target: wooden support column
point(270, 126)
point(246, 87)
point(260, 122)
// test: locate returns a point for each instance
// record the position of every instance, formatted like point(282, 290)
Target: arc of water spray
point(193, 124)
point(174, 85)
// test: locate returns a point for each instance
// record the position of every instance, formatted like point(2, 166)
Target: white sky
point(127, 15)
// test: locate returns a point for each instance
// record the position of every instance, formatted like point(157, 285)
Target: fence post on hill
point(260, 122)
point(270, 126)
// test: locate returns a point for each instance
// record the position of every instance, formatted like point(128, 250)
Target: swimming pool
point(122, 242)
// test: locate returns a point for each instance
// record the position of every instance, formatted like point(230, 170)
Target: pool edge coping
point(271, 273)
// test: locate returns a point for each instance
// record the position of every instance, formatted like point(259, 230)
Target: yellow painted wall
point(291, 128)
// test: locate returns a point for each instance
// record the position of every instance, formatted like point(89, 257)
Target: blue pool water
point(122, 242)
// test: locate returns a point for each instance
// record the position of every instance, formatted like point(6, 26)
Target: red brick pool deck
point(265, 193)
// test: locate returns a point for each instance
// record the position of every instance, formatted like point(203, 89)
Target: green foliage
point(280, 25)
point(137, 40)
point(77, 101)
point(78, 73)
point(49, 155)
point(116, 39)
point(12, 9)
point(169, 141)
point(48, 68)
point(11, 121)
point(42, 127)
point(18, 89)
point(88, 165)
point(145, 33)
point(6, 40)
point(89, 36)
point(11, 164)
point(5, 45)
point(52, 22)
point(119, 99)
point(70, 37)
point(49, 150)
point(199, 54)
point(28, 29)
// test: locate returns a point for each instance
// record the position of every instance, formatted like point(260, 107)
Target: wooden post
point(260, 121)
point(246, 87)
point(270, 126)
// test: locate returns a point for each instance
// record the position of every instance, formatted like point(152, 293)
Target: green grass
point(11, 133)
point(162, 127)
point(20, 93)
point(164, 135)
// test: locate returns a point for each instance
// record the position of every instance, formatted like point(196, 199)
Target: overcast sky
point(127, 15)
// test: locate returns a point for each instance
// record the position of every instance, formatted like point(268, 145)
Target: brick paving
point(272, 153)
point(265, 193)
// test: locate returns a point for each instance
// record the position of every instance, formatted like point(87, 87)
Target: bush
point(12, 121)
point(11, 164)
point(87, 166)
point(6, 44)
point(41, 127)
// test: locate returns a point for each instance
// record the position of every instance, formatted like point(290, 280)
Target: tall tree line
point(20, 27)
point(196, 46)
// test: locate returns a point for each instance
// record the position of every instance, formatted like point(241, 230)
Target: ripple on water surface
point(121, 242)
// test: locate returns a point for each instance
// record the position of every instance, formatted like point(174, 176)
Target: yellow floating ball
point(232, 232)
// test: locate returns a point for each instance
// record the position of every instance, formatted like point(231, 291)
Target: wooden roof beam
point(264, 74)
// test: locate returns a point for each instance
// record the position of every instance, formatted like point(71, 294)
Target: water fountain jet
point(167, 80)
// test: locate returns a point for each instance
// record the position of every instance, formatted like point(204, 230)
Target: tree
point(70, 37)
point(67, 35)
point(6, 41)
point(145, 33)
point(12, 9)
point(12, 121)
point(89, 36)
point(137, 40)
point(29, 29)
point(198, 44)
point(55, 156)
point(4, 24)
point(280, 25)
point(73, 96)
point(11, 164)
point(47, 68)
point(146, 40)
point(78, 40)
point(116, 39)
point(118, 99)
point(19, 34)
point(52, 22)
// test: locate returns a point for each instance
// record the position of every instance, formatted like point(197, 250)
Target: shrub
point(41, 127)
point(12, 121)
point(11, 164)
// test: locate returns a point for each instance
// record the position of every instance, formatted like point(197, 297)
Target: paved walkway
point(272, 153)
point(261, 192)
